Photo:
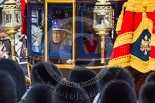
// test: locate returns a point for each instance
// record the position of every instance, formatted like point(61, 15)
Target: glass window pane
point(4, 20)
point(17, 18)
point(36, 37)
point(37, 30)
point(102, 19)
point(7, 19)
point(91, 41)
point(61, 29)
point(34, 15)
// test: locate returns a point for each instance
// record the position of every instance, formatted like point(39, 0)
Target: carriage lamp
point(102, 22)
point(11, 21)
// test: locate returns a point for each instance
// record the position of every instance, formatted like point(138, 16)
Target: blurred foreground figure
point(14, 69)
point(8, 93)
point(111, 74)
point(67, 94)
point(87, 77)
point(118, 91)
point(45, 73)
point(147, 93)
point(38, 93)
point(115, 73)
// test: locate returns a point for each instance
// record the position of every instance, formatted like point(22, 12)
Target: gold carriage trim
point(122, 39)
point(145, 24)
point(122, 61)
point(138, 64)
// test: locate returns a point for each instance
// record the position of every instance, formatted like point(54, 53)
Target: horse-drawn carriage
point(61, 32)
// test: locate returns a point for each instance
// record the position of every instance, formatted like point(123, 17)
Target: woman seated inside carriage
point(61, 38)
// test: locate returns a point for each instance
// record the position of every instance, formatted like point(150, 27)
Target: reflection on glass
point(17, 19)
point(34, 15)
point(102, 20)
point(91, 41)
point(8, 20)
point(61, 33)
point(36, 31)
point(11, 18)
point(36, 34)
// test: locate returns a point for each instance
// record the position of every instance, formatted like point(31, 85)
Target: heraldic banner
point(135, 44)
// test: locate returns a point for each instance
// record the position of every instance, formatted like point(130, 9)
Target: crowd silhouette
point(110, 85)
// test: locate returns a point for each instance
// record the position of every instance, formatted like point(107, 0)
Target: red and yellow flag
point(135, 44)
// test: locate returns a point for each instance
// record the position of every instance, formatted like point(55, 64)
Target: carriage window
point(89, 41)
point(60, 30)
point(36, 31)
point(88, 38)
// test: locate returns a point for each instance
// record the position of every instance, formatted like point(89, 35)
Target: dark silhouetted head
point(114, 73)
point(7, 88)
point(39, 93)
point(67, 94)
point(147, 93)
point(15, 70)
point(151, 77)
point(118, 91)
point(45, 73)
point(87, 78)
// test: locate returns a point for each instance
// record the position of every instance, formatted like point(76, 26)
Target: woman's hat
point(58, 24)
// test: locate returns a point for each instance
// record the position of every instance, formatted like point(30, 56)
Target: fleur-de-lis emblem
point(145, 45)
